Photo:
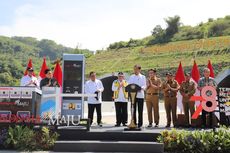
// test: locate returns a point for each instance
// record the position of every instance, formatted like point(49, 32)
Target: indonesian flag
point(180, 74)
point(213, 75)
point(211, 69)
point(180, 78)
point(195, 78)
point(58, 74)
point(195, 72)
point(30, 65)
point(43, 68)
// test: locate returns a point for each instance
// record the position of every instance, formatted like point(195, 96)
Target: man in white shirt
point(94, 86)
point(120, 99)
point(140, 80)
point(29, 79)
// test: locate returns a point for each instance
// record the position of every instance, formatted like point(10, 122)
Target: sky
point(94, 24)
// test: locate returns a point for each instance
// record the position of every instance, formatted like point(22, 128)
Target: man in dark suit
point(49, 80)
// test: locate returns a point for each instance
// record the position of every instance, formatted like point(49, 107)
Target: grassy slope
point(166, 56)
point(163, 57)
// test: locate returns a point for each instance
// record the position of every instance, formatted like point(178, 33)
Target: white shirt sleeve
point(130, 80)
point(113, 86)
point(22, 83)
point(37, 82)
point(143, 86)
point(25, 81)
point(86, 88)
point(100, 86)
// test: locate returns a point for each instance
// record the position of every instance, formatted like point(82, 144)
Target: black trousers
point(91, 108)
point(203, 116)
point(139, 103)
point(121, 112)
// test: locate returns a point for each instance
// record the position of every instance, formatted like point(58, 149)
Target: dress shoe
point(167, 126)
point(117, 125)
point(150, 125)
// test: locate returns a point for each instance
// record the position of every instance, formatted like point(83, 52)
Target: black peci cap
point(154, 70)
point(30, 69)
point(169, 73)
point(120, 73)
point(47, 71)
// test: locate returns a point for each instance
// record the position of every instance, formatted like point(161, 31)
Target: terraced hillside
point(164, 57)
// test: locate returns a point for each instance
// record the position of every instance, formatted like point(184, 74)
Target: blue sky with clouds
point(94, 24)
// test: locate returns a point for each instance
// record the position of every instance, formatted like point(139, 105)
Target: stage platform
point(109, 132)
point(108, 139)
point(111, 139)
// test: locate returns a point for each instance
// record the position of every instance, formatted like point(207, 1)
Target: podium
point(132, 90)
point(19, 102)
point(50, 103)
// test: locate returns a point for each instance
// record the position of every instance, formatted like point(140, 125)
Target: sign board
point(50, 106)
point(224, 105)
point(73, 82)
point(18, 100)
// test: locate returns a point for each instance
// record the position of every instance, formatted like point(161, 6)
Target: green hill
point(176, 31)
point(15, 52)
point(164, 57)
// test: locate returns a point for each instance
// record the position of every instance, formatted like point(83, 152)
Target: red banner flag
point(195, 73)
point(43, 68)
point(211, 69)
point(30, 65)
point(180, 74)
point(180, 78)
point(58, 74)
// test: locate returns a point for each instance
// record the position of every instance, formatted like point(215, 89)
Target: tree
point(157, 30)
point(158, 35)
point(173, 24)
point(218, 28)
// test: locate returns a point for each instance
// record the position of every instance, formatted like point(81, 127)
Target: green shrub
point(196, 141)
point(46, 139)
point(25, 138)
point(21, 138)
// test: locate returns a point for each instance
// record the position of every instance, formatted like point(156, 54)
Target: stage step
point(71, 134)
point(108, 146)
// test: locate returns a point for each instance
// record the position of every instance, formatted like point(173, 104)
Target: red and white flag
point(195, 73)
point(211, 69)
point(213, 76)
point(42, 71)
point(30, 65)
point(58, 74)
point(180, 78)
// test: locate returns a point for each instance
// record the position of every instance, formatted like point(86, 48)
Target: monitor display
point(72, 76)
